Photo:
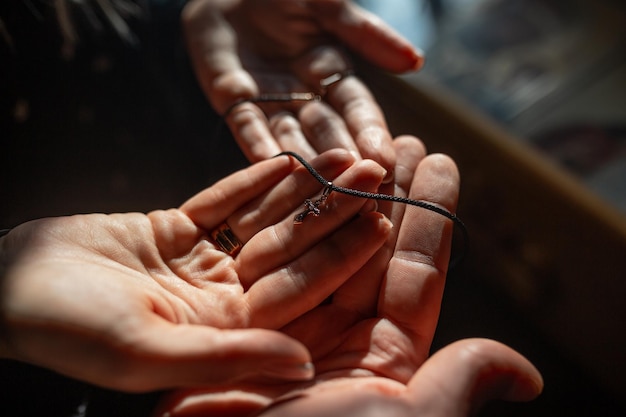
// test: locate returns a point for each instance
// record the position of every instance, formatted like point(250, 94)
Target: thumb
point(463, 376)
point(168, 355)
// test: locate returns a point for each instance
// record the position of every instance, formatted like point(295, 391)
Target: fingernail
point(386, 222)
point(294, 372)
point(419, 59)
point(388, 177)
point(384, 173)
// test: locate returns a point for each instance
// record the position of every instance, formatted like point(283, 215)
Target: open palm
point(380, 323)
point(383, 319)
point(139, 302)
point(243, 48)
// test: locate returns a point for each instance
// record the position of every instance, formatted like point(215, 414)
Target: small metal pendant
point(313, 207)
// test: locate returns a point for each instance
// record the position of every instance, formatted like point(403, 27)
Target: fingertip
point(250, 128)
point(404, 142)
point(290, 371)
point(437, 180)
point(408, 58)
point(389, 176)
point(384, 221)
point(383, 46)
point(526, 388)
point(194, 355)
point(374, 169)
point(382, 224)
point(383, 154)
point(443, 166)
point(270, 343)
point(469, 373)
point(338, 157)
point(417, 59)
point(503, 373)
point(369, 207)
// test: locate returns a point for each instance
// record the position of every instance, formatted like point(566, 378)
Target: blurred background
point(551, 72)
point(528, 96)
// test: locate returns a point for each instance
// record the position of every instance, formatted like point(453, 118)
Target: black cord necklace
point(312, 207)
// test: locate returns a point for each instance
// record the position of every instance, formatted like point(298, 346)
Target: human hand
point(455, 382)
point(378, 326)
point(141, 302)
point(242, 48)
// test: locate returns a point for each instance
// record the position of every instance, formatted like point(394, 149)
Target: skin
point(455, 382)
point(370, 342)
point(141, 302)
point(242, 48)
point(299, 322)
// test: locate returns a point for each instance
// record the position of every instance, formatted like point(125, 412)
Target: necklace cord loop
point(329, 187)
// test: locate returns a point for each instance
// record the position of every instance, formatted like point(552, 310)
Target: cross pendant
point(313, 207)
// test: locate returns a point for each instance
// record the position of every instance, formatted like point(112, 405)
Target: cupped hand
point(140, 302)
point(243, 48)
point(379, 325)
point(455, 382)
